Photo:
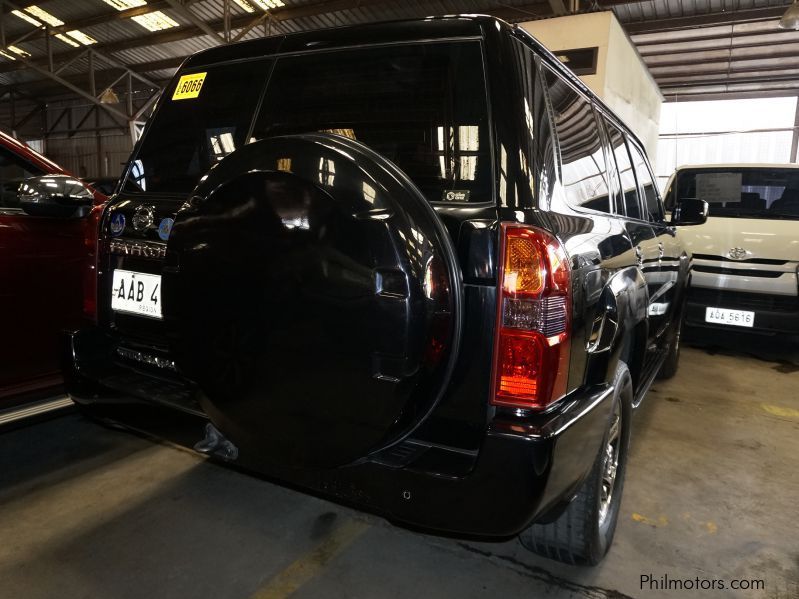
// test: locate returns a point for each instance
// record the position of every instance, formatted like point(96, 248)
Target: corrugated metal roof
point(744, 54)
point(651, 10)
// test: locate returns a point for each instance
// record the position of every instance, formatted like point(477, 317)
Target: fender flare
point(623, 305)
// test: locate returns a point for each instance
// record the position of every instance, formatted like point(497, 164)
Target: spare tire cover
point(314, 296)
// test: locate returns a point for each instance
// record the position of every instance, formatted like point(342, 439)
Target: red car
point(46, 275)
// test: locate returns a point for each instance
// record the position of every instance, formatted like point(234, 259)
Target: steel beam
point(83, 120)
point(93, 50)
point(28, 117)
point(91, 97)
point(696, 21)
point(196, 21)
point(61, 116)
point(795, 138)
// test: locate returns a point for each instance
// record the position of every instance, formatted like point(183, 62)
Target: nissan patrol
point(416, 266)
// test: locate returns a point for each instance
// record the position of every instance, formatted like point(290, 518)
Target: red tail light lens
point(532, 343)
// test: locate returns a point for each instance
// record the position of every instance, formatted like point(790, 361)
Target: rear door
point(629, 203)
point(662, 301)
point(308, 250)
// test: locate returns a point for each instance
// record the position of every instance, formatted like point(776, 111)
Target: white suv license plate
point(136, 293)
point(738, 318)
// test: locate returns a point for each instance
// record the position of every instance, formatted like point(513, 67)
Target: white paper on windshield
point(718, 187)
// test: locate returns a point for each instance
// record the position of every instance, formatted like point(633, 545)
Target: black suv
point(416, 266)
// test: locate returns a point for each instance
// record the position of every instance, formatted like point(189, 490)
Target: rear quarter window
point(583, 166)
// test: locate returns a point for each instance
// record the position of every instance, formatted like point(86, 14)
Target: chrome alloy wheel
point(610, 464)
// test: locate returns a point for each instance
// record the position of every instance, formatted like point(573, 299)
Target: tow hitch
point(216, 444)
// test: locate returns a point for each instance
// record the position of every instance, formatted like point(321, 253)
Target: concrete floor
point(711, 492)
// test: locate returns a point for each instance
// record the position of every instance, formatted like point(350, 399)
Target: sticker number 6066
point(189, 86)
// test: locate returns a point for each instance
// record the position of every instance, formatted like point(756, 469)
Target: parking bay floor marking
point(312, 563)
point(781, 411)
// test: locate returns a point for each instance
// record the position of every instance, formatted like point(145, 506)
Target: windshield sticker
point(455, 195)
point(718, 187)
point(189, 86)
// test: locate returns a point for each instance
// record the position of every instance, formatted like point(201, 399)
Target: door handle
point(661, 251)
point(639, 255)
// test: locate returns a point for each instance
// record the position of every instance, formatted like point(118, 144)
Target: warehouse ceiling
point(59, 49)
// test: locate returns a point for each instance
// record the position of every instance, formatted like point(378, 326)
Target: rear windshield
point(743, 193)
point(423, 106)
point(193, 131)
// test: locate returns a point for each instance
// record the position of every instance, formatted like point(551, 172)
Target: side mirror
point(59, 196)
point(689, 212)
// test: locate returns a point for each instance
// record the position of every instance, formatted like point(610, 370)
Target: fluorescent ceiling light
point(44, 16)
point(26, 17)
point(267, 4)
point(19, 51)
point(125, 4)
point(6, 55)
point(155, 21)
point(264, 5)
point(245, 5)
point(67, 40)
point(83, 38)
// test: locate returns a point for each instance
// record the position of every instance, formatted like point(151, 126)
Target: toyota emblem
point(735, 253)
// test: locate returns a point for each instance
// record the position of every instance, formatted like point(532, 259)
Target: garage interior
point(89, 511)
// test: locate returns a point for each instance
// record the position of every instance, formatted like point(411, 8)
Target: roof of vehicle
point(411, 30)
point(456, 26)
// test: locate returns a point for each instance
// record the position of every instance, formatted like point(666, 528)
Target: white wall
point(755, 130)
point(622, 79)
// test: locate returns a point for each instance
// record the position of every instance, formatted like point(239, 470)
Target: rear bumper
point(524, 471)
point(773, 313)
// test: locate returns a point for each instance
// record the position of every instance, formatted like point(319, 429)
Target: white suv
point(745, 257)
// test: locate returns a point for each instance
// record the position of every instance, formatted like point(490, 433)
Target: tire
point(669, 367)
point(312, 279)
point(584, 532)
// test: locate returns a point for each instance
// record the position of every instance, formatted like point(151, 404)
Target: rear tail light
point(531, 354)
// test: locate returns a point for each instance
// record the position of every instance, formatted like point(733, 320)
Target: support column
point(795, 139)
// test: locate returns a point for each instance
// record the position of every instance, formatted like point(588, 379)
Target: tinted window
point(746, 192)
point(581, 152)
point(538, 170)
point(189, 135)
point(423, 106)
point(651, 200)
point(13, 170)
point(624, 168)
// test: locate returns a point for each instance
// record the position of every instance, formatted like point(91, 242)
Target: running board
point(34, 409)
point(650, 371)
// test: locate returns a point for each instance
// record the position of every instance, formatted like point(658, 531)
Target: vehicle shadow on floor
point(46, 453)
point(782, 349)
point(167, 523)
